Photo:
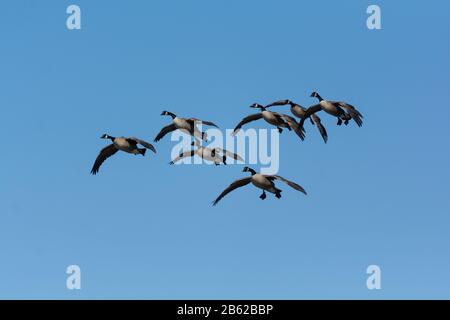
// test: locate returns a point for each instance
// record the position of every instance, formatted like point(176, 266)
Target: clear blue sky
point(144, 229)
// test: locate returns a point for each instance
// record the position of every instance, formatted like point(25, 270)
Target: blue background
point(144, 229)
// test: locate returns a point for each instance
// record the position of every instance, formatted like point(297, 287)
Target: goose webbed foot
point(339, 122)
point(280, 130)
point(224, 160)
point(278, 195)
point(346, 122)
point(263, 195)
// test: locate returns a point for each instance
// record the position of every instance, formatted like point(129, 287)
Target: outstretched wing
point(143, 143)
point(182, 156)
point(293, 125)
point(278, 103)
point(289, 183)
point(313, 109)
point(195, 121)
point(164, 131)
point(309, 112)
point(104, 154)
point(323, 132)
point(237, 184)
point(230, 154)
point(246, 120)
point(351, 110)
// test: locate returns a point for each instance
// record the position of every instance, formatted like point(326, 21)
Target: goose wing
point(351, 110)
point(278, 103)
point(237, 184)
point(143, 143)
point(195, 120)
point(313, 109)
point(230, 154)
point(246, 120)
point(164, 131)
point(293, 125)
point(309, 112)
point(182, 156)
point(104, 154)
point(289, 183)
point(323, 132)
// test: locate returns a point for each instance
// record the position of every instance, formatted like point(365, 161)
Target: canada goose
point(277, 119)
point(187, 125)
point(216, 155)
point(264, 182)
point(300, 112)
point(336, 109)
point(128, 145)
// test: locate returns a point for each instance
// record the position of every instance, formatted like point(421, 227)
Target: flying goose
point(187, 125)
point(300, 112)
point(336, 109)
point(216, 155)
point(264, 182)
point(128, 145)
point(277, 119)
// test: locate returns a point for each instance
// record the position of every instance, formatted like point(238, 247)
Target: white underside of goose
point(259, 181)
point(298, 112)
point(181, 124)
point(206, 154)
point(123, 145)
point(186, 127)
point(271, 118)
point(330, 108)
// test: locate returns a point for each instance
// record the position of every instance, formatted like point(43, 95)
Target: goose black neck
point(253, 172)
point(111, 138)
point(172, 115)
point(319, 97)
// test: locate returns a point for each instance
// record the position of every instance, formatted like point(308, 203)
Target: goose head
point(316, 95)
point(106, 136)
point(248, 169)
point(258, 106)
point(168, 113)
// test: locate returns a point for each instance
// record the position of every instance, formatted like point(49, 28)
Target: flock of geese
point(343, 111)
